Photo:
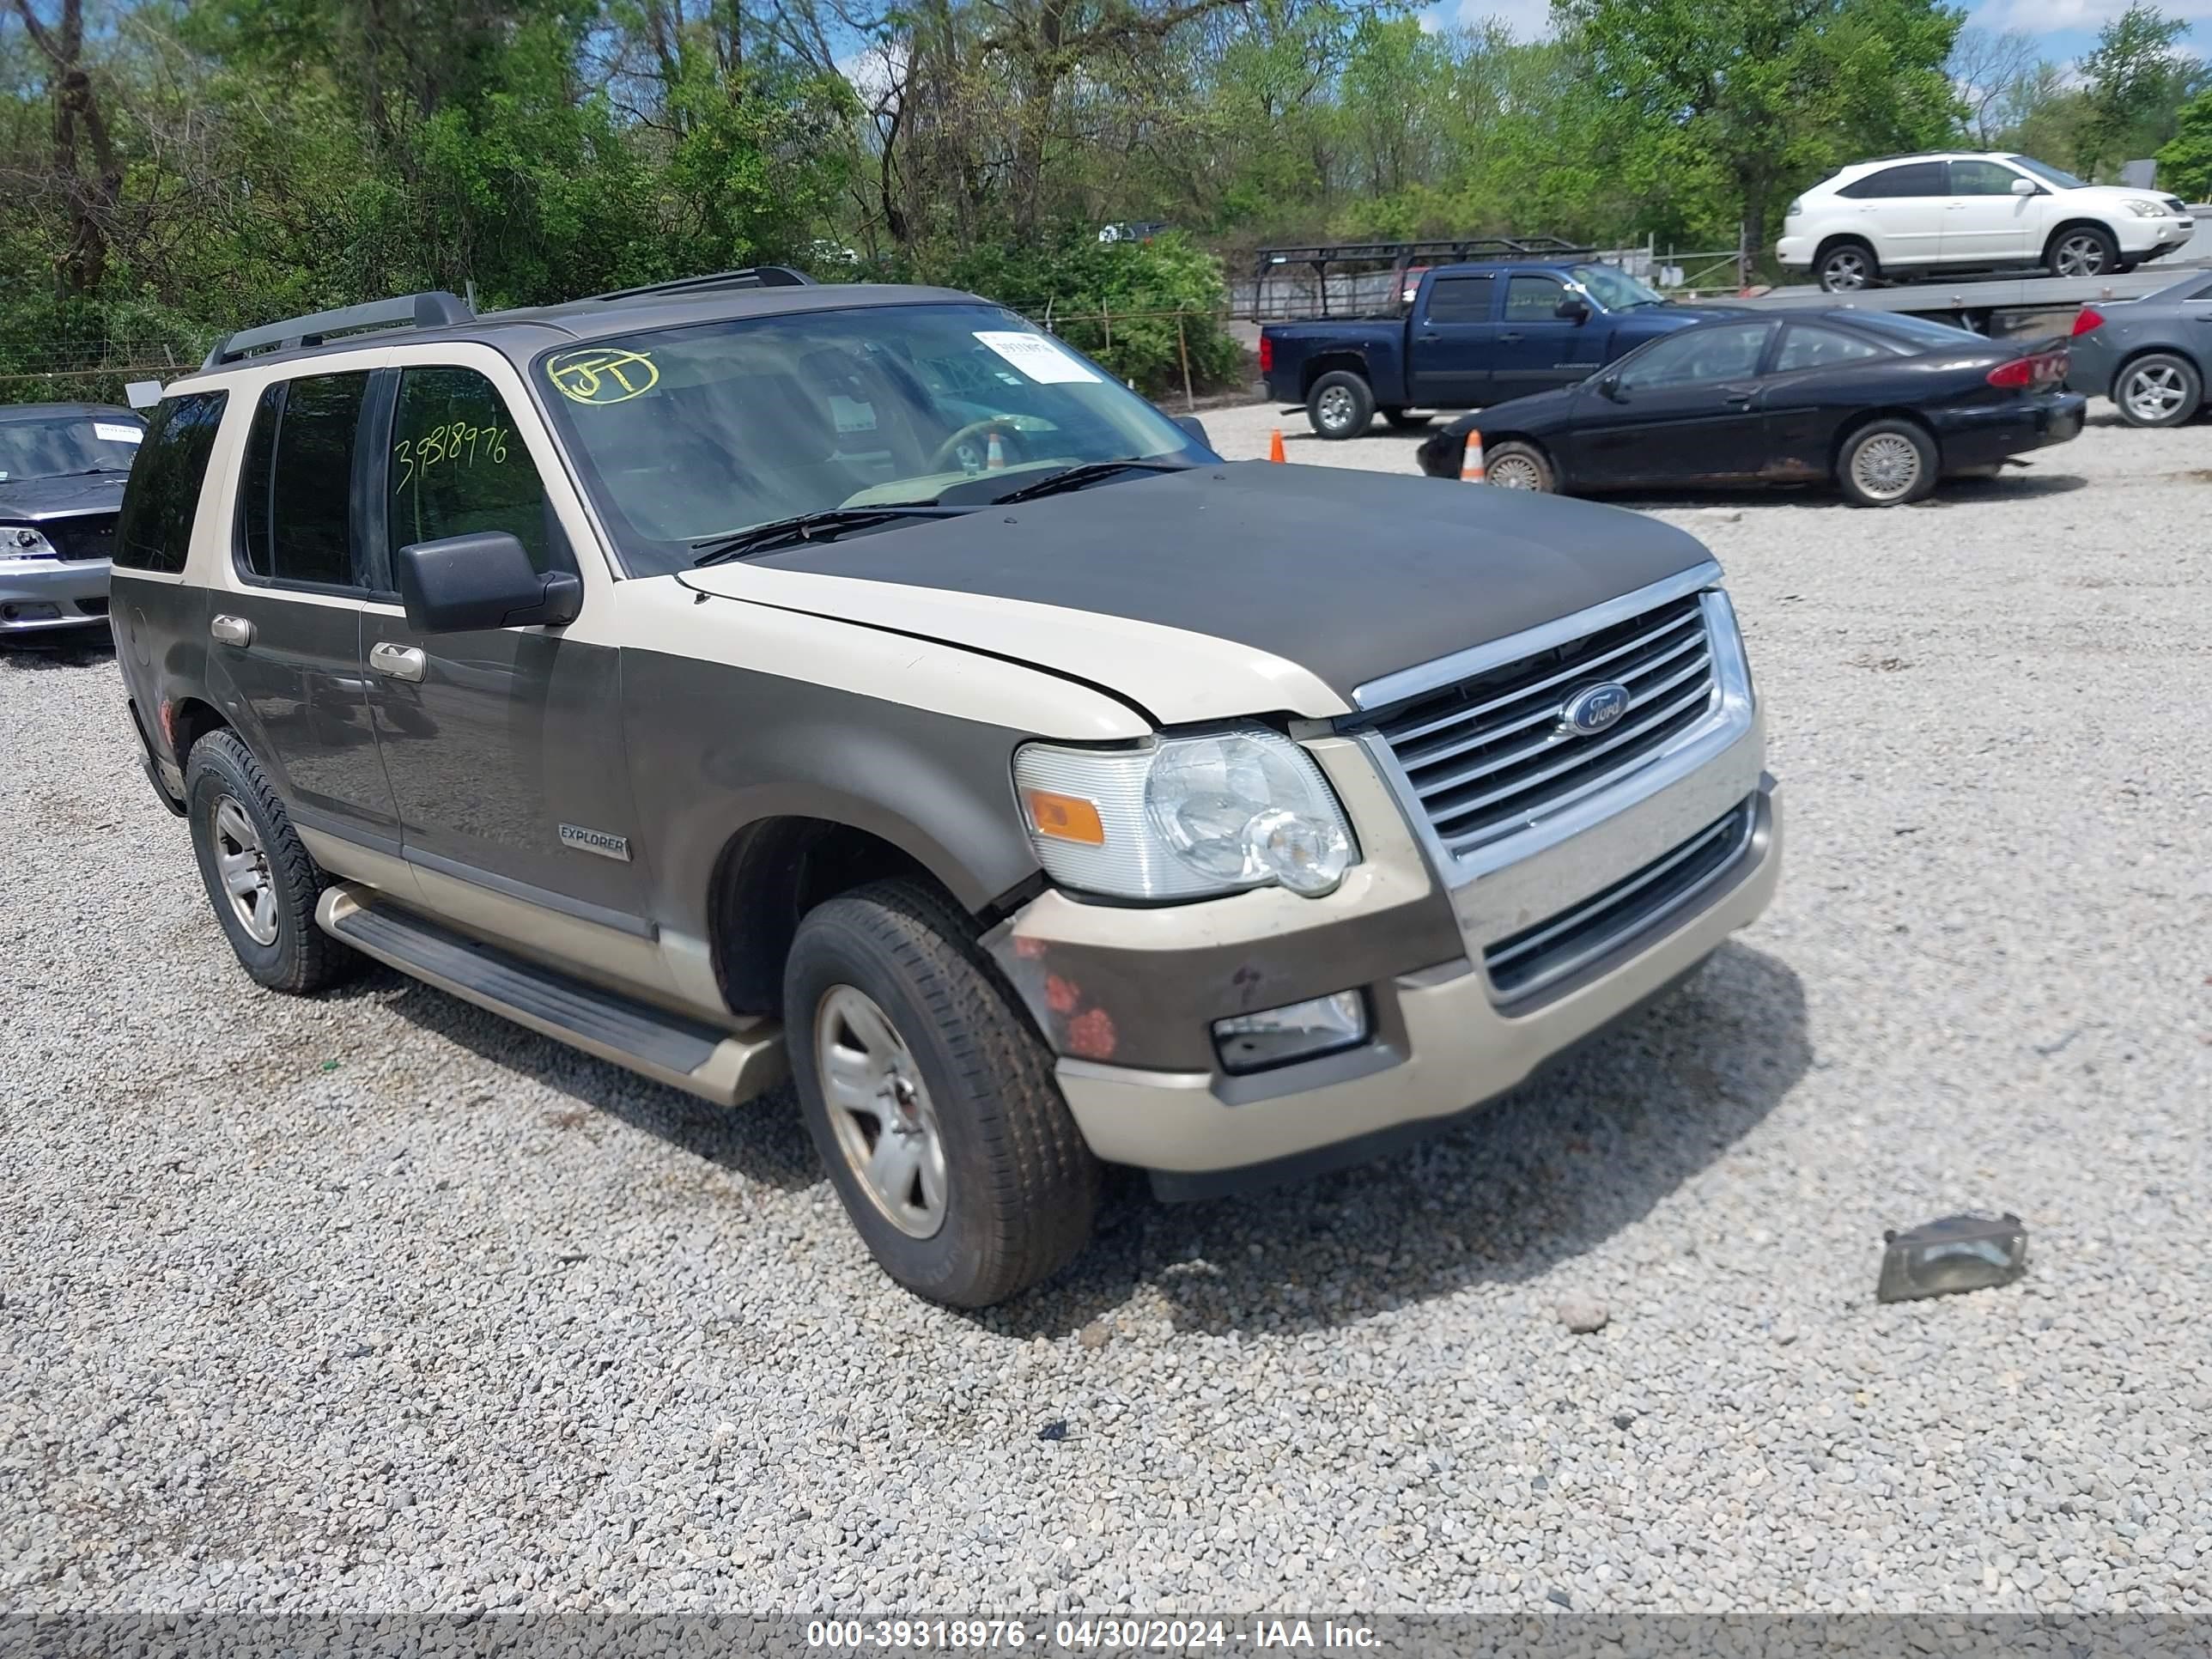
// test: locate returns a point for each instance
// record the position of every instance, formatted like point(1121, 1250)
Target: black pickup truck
point(1460, 335)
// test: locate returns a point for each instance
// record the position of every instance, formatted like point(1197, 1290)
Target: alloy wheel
point(243, 864)
point(1844, 272)
point(880, 1111)
point(2080, 255)
point(1887, 466)
point(1514, 472)
point(1336, 409)
point(2154, 392)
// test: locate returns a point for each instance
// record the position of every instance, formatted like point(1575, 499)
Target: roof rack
point(749, 277)
point(1399, 255)
point(436, 309)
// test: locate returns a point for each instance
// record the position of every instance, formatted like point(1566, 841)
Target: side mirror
point(463, 583)
point(2023, 187)
point(1194, 428)
point(1572, 310)
point(142, 394)
point(1608, 385)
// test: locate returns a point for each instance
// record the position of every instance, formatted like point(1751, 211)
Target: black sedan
point(1883, 404)
point(2149, 355)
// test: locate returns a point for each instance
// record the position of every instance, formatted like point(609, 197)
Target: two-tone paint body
point(634, 797)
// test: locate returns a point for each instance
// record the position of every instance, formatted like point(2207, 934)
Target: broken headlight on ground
point(1959, 1253)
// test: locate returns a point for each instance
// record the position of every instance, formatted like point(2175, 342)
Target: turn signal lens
point(2088, 317)
point(2021, 371)
point(1064, 817)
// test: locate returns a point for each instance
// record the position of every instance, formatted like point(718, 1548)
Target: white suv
point(1905, 215)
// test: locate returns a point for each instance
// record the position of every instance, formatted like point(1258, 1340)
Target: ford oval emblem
point(1593, 709)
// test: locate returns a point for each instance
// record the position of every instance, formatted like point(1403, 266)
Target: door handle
point(398, 662)
point(232, 630)
point(1515, 335)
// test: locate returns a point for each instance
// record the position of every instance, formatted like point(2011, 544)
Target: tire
point(1016, 1187)
point(234, 814)
point(2160, 388)
point(1403, 421)
point(1888, 464)
point(1846, 267)
point(1341, 405)
point(2081, 251)
point(1517, 465)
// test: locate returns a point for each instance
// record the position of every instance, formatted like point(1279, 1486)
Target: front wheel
point(1887, 464)
point(1341, 405)
point(1516, 465)
point(1848, 267)
point(2159, 390)
point(2083, 251)
point(931, 1098)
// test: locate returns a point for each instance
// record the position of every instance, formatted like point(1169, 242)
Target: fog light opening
point(1300, 1031)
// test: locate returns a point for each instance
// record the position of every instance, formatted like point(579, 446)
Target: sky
point(2064, 28)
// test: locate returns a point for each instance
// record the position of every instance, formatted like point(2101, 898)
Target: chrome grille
point(1539, 956)
point(1489, 755)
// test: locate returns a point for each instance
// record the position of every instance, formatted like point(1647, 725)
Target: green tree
point(2185, 162)
point(1753, 98)
point(2137, 79)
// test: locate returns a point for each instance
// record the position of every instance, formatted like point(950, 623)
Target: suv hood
point(35, 500)
point(1228, 590)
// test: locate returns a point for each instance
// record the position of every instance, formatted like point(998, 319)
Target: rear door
point(1900, 211)
point(1984, 223)
point(1537, 348)
point(1454, 342)
point(284, 624)
point(1685, 410)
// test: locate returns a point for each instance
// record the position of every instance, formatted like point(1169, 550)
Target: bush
point(1065, 282)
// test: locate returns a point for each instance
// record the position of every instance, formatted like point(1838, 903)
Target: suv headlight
point(2145, 210)
point(1188, 817)
point(20, 541)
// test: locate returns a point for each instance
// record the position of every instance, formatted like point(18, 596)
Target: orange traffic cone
point(995, 458)
point(1275, 446)
point(1470, 468)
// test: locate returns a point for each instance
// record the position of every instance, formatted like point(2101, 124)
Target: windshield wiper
point(826, 524)
point(1082, 473)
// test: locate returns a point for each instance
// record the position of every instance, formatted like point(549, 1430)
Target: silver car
point(62, 468)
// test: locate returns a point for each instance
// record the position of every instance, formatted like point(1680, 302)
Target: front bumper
point(1986, 435)
point(1126, 995)
point(36, 595)
point(2153, 239)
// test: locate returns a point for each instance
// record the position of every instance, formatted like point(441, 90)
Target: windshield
point(1616, 290)
point(688, 435)
point(1918, 331)
point(65, 445)
point(2049, 174)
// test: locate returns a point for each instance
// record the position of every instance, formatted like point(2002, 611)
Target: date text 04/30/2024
point(1086, 1635)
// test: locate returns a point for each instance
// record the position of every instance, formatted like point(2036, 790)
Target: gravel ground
point(376, 1302)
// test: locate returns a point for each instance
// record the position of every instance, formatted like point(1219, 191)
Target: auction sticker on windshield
point(116, 433)
point(1035, 356)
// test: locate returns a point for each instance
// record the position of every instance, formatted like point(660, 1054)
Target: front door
point(1984, 223)
point(1537, 349)
point(1455, 343)
point(285, 623)
point(504, 744)
point(1683, 410)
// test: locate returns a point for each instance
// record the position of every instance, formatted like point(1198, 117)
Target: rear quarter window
point(154, 531)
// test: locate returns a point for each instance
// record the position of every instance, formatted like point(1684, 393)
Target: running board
point(724, 1067)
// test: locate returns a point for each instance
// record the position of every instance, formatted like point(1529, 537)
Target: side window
point(1804, 346)
point(1981, 179)
point(1534, 298)
point(1697, 355)
point(1459, 299)
point(1915, 179)
point(164, 492)
point(458, 468)
point(295, 513)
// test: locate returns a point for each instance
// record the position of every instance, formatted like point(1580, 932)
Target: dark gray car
point(62, 468)
point(2149, 355)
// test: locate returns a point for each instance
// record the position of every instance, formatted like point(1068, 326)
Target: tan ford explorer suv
point(745, 675)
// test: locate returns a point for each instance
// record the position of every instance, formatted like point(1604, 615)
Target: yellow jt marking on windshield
point(596, 375)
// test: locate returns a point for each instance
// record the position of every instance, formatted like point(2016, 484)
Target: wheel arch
point(186, 720)
point(2083, 222)
point(1838, 238)
point(1328, 362)
point(772, 871)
